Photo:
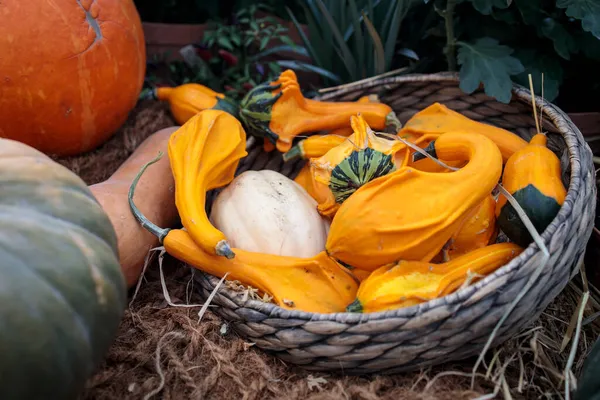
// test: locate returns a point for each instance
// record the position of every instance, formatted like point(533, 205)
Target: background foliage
point(490, 42)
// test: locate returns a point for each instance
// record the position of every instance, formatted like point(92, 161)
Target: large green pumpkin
point(62, 293)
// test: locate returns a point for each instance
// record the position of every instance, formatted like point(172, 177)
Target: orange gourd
point(189, 99)
point(408, 283)
point(478, 231)
point(279, 112)
point(70, 71)
point(532, 175)
point(410, 214)
point(362, 157)
point(438, 119)
point(313, 147)
point(204, 154)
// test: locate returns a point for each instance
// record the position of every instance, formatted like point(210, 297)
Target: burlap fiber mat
point(163, 352)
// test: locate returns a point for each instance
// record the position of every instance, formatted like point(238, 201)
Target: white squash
point(266, 212)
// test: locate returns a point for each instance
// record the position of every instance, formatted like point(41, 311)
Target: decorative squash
point(408, 283)
point(305, 179)
point(189, 99)
point(279, 112)
point(71, 91)
point(355, 162)
point(204, 154)
point(347, 130)
point(532, 175)
point(317, 284)
point(154, 197)
point(314, 146)
point(438, 119)
point(411, 214)
point(61, 286)
point(478, 231)
point(266, 212)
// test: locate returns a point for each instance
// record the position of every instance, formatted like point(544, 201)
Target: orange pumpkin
point(70, 71)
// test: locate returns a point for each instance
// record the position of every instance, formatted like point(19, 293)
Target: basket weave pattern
point(455, 326)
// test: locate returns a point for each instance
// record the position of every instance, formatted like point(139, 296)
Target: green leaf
point(588, 11)
point(347, 57)
point(589, 45)
point(536, 64)
point(263, 43)
point(564, 43)
point(225, 42)
point(486, 6)
point(378, 46)
point(287, 40)
point(489, 63)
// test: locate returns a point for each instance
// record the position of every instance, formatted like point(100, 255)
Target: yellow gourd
point(279, 112)
point(204, 154)
point(532, 175)
point(408, 283)
point(438, 119)
point(189, 99)
point(317, 284)
point(410, 214)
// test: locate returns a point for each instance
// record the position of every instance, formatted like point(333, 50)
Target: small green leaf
point(287, 40)
point(489, 63)
point(588, 11)
point(378, 46)
point(225, 42)
point(486, 6)
point(536, 64)
point(263, 43)
point(564, 43)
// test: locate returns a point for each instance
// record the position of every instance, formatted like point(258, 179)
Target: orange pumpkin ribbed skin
point(410, 214)
point(70, 71)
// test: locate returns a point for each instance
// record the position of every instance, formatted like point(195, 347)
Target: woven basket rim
point(521, 94)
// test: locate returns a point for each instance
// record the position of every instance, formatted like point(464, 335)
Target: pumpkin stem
point(157, 231)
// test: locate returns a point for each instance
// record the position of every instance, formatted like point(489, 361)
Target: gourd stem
point(354, 307)
point(392, 119)
point(293, 153)
point(157, 231)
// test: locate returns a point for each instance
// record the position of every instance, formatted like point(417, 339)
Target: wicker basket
point(455, 326)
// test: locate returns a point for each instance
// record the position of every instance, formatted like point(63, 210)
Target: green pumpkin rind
point(61, 287)
point(359, 168)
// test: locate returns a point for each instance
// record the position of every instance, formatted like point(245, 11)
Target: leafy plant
point(349, 40)
point(236, 55)
point(497, 42)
